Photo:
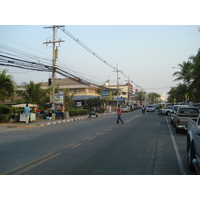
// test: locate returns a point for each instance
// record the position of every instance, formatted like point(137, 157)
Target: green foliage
point(34, 93)
point(189, 74)
point(7, 86)
point(153, 97)
point(95, 102)
point(4, 109)
point(4, 118)
point(101, 110)
point(76, 112)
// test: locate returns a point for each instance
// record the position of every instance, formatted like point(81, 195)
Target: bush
point(4, 118)
point(101, 110)
point(5, 109)
point(76, 112)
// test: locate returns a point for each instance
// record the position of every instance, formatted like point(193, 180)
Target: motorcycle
point(93, 112)
point(143, 110)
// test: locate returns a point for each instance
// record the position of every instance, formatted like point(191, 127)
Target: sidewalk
point(42, 122)
point(39, 123)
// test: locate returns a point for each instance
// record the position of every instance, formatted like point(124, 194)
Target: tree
point(178, 93)
point(140, 97)
point(33, 93)
point(7, 86)
point(153, 97)
point(185, 73)
point(194, 88)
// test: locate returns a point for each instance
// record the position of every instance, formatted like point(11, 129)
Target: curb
point(47, 123)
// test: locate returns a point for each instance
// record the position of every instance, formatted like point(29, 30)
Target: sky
point(144, 40)
point(145, 53)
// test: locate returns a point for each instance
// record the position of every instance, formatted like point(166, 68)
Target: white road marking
point(180, 162)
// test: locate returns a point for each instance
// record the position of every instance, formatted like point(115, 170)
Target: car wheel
point(190, 156)
point(177, 130)
point(168, 113)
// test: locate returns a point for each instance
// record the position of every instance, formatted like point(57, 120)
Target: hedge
point(4, 118)
point(5, 109)
point(76, 112)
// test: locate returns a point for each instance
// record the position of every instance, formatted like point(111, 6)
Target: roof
point(70, 83)
point(83, 97)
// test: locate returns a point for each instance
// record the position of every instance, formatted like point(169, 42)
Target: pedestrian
point(62, 111)
point(38, 111)
point(119, 112)
point(27, 113)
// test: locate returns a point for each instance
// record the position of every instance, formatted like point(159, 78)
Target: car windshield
point(188, 110)
point(150, 106)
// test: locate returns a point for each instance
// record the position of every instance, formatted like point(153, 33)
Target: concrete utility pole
point(54, 27)
point(117, 83)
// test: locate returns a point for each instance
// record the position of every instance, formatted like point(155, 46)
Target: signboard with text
point(107, 95)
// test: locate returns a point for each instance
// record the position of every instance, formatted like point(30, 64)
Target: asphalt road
point(143, 145)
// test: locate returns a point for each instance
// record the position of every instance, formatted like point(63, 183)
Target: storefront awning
point(86, 97)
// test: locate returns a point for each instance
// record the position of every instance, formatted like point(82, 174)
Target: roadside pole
point(53, 65)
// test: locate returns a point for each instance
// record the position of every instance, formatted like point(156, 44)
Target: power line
point(85, 47)
point(91, 51)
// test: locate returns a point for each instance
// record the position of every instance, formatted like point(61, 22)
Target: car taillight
point(178, 121)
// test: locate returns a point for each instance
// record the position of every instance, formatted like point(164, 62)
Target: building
point(125, 91)
point(79, 89)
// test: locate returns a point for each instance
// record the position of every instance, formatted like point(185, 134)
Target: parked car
point(182, 115)
point(193, 144)
point(125, 109)
point(174, 109)
point(150, 108)
point(167, 111)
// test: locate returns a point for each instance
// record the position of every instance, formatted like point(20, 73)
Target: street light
point(176, 67)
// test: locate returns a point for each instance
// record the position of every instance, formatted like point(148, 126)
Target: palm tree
point(7, 86)
point(185, 73)
point(34, 93)
point(178, 93)
point(195, 84)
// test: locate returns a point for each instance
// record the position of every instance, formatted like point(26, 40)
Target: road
point(143, 145)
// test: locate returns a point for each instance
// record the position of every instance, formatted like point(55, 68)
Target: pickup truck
point(193, 144)
point(182, 115)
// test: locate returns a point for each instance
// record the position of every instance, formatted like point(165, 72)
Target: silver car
point(174, 110)
point(150, 108)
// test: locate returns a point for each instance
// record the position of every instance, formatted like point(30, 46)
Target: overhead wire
point(90, 50)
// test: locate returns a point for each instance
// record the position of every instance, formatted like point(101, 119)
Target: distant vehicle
point(150, 108)
point(125, 109)
point(159, 104)
point(182, 115)
point(193, 144)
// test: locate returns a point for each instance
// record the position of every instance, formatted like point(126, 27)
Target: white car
point(125, 108)
point(150, 108)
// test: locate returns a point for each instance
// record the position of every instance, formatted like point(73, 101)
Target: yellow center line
point(70, 145)
point(86, 138)
point(79, 144)
point(91, 138)
point(36, 164)
point(29, 163)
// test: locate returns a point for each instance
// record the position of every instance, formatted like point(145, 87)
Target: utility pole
point(117, 82)
point(54, 27)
